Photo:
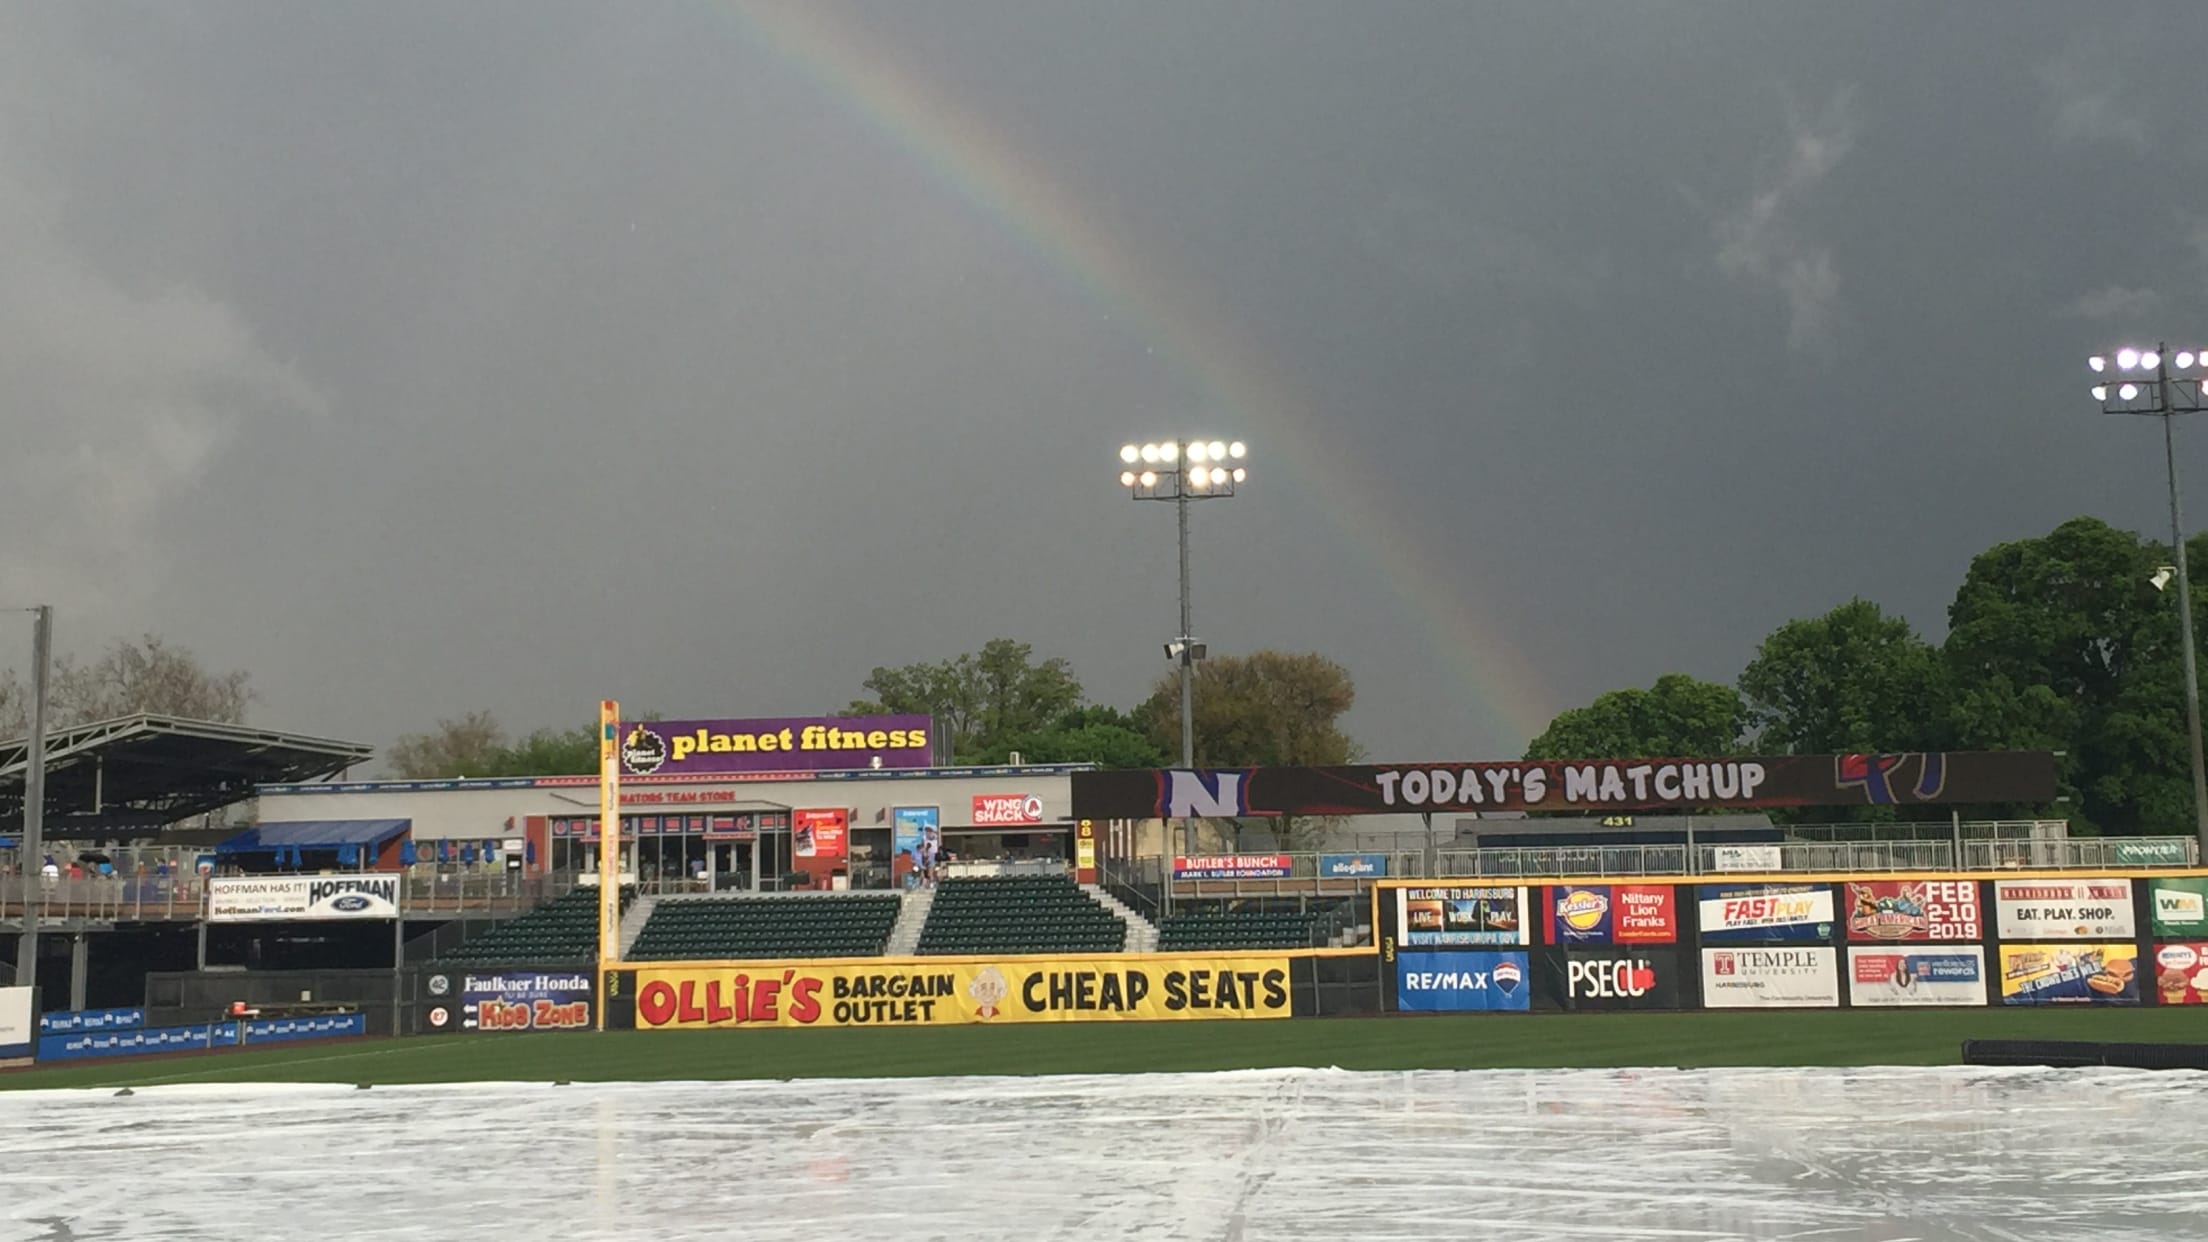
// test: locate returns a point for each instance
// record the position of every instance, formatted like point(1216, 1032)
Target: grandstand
point(1224, 928)
point(717, 928)
point(562, 932)
point(1019, 914)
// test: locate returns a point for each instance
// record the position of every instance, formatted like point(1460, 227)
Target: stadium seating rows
point(1018, 914)
point(562, 931)
point(1214, 929)
point(767, 927)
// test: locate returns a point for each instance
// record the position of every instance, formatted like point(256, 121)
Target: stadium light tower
point(1183, 473)
point(2152, 382)
point(34, 793)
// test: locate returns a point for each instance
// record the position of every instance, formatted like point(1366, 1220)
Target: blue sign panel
point(91, 1020)
point(1469, 982)
point(1353, 866)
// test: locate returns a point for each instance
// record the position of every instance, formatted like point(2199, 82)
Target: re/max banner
point(932, 993)
point(1905, 779)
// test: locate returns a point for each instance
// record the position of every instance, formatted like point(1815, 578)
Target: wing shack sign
point(1566, 785)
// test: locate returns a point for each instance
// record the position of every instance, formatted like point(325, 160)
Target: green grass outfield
point(1854, 1037)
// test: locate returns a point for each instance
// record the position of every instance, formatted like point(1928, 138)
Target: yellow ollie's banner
point(922, 993)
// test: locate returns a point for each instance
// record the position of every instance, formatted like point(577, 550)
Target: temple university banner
point(1563, 785)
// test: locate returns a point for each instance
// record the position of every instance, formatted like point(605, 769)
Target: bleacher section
point(561, 932)
point(708, 929)
point(1244, 929)
point(1019, 914)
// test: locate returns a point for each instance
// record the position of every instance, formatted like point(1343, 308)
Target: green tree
point(1678, 716)
point(980, 700)
point(1855, 679)
point(468, 746)
point(475, 745)
point(1269, 708)
point(131, 676)
point(2063, 643)
point(1104, 736)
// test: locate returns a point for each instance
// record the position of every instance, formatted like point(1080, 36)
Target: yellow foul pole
point(609, 850)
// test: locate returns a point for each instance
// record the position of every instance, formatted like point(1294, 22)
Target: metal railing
point(1992, 853)
point(101, 900)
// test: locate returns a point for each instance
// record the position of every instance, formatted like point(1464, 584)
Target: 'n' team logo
point(643, 751)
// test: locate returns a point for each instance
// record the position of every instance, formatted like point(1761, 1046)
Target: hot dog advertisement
point(2069, 974)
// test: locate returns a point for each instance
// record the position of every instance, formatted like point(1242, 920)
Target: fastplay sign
point(1622, 784)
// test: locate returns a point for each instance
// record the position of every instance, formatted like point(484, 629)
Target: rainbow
point(1230, 375)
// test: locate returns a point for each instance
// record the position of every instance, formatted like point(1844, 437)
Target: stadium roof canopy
point(132, 775)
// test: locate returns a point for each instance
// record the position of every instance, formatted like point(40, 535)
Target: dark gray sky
point(421, 358)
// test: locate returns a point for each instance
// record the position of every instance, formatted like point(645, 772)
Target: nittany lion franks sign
point(269, 899)
point(1566, 785)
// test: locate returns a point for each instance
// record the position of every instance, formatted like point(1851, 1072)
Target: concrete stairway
point(1142, 934)
point(912, 915)
point(633, 920)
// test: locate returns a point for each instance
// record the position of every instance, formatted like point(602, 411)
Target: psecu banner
point(937, 993)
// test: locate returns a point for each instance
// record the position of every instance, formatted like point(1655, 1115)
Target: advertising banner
point(1448, 915)
point(1770, 978)
point(18, 1024)
point(1553, 785)
point(523, 1000)
point(1613, 914)
point(1620, 979)
point(820, 834)
point(776, 744)
point(1007, 810)
point(916, 837)
point(2069, 974)
point(2093, 909)
point(1464, 982)
point(267, 899)
point(137, 1041)
point(91, 1020)
point(1913, 910)
point(1353, 866)
point(2179, 907)
point(1234, 867)
point(925, 993)
point(1760, 913)
point(1954, 975)
point(2181, 973)
point(1748, 858)
point(2153, 852)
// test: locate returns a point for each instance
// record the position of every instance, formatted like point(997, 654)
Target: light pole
point(1183, 473)
point(2144, 385)
point(34, 794)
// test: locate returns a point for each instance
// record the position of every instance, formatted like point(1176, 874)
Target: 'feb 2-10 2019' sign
point(270, 899)
point(1913, 910)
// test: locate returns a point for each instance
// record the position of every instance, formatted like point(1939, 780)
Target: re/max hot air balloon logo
point(643, 751)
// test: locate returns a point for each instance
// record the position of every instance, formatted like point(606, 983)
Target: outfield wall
point(992, 990)
point(1960, 940)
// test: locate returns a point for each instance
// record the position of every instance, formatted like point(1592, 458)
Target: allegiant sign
point(778, 744)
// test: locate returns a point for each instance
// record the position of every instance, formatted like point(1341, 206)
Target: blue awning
point(315, 834)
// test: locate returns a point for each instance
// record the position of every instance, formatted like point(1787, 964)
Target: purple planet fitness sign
point(779, 744)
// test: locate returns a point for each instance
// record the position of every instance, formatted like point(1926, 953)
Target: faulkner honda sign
point(1921, 777)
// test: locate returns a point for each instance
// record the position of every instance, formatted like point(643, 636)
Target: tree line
point(2064, 642)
